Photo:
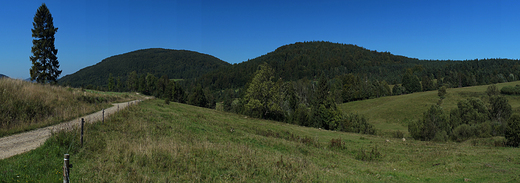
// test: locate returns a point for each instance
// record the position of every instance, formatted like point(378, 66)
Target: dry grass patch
point(25, 105)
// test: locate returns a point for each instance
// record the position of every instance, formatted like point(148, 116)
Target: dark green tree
point(119, 84)
point(492, 90)
point(512, 132)
point(471, 111)
point(45, 63)
point(110, 82)
point(434, 121)
point(198, 98)
point(499, 108)
point(162, 84)
point(427, 83)
point(229, 97)
point(442, 92)
point(178, 94)
point(398, 90)
point(133, 81)
point(151, 81)
point(141, 83)
point(411, 82)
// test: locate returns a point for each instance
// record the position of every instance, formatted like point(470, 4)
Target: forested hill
point(177, 64)
point(311, 59)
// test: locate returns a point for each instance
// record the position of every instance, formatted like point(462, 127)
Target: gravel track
point(26, 141)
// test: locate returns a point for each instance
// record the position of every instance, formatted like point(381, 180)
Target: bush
point(398, 134)
point(462, 133)
point(398, 90)
point(484, 130)
point(441, 136)
point(510, 90)
point(337, 144)
point(356, 123)
point(492, 90)
point(499, 108)
point(434, 120)
point(365, 155)
point(512, 132)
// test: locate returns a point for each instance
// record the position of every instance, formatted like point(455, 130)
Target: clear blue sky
point(235, 31)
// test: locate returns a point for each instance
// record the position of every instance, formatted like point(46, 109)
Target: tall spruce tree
point(44, 60)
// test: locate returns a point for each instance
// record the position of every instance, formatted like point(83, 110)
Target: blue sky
point(236, 31)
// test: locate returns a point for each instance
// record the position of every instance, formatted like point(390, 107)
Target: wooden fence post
point(82, 124)
point(66, 169)
point(103, 115)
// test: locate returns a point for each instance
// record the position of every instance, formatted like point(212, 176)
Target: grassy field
point(154, 142)
point(26, 106)
point(394, 112)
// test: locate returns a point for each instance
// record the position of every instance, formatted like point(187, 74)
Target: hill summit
point(310, 60)
point(177, 64)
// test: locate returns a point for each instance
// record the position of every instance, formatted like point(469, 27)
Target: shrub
point(434, 120)
point(356, 123)
point(365, 155)
point(500, 143)
point(442, 92)
point(398, 90)
point(492, 90)
point(337, 144)
point(414, 127)
point(470, 111)
point(398, 134)
point(499, 108)
point(462, 133)
point(512, 132)
point(510, 90)
point(441, 136)
point(484, 130)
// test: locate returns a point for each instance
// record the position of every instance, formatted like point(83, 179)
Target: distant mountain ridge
point(177, 64)
point(293, 62)
point(1, 76)
point(311, 59)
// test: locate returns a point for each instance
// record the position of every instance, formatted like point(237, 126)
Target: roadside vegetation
point(26, 106)
point(155, 142)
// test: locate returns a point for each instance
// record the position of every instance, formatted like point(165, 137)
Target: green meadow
point(155, 142)
point(394, 112)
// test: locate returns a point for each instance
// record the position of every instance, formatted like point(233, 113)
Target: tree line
point(473, 117)
point(301, 102)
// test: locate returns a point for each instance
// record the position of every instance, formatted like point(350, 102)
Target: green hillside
point(153, 142)
point(394, 112)
point(178, 64)
point(311, 59)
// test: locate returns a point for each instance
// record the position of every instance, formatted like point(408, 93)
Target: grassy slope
point(394, 112)
point(25, 106)
point(153, 142)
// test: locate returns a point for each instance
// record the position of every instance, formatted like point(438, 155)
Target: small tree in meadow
point(512, 132)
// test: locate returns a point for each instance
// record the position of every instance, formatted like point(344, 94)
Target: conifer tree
point(110, 82)
point(44, 60)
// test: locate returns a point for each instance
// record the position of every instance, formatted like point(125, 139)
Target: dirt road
point(23, 142)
